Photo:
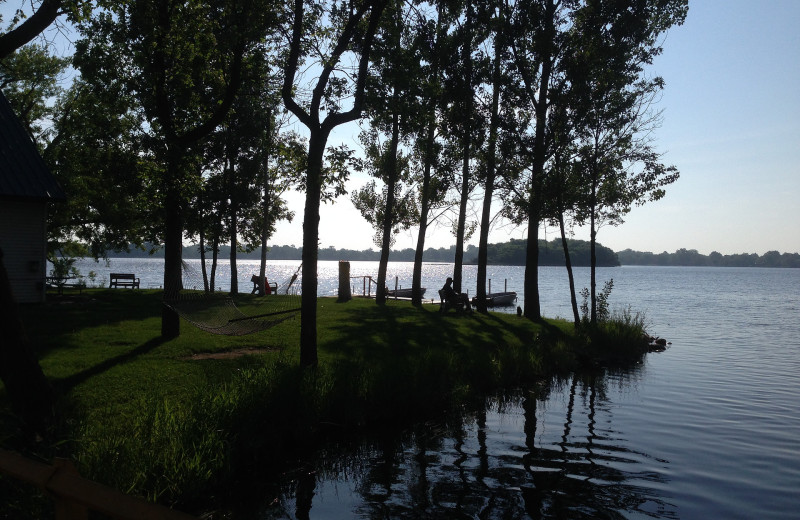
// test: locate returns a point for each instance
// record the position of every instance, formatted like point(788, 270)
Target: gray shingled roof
point(23, 173)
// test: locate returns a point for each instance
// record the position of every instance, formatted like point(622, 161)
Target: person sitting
point(257, 287)
point(453, 298)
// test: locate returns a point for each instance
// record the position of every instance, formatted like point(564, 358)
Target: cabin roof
point(23, 173)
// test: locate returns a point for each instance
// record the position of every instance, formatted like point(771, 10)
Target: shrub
point(622, 336)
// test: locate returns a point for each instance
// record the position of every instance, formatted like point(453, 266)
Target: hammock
point(218, 314)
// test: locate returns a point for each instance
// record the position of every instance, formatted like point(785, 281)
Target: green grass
point(144, 416)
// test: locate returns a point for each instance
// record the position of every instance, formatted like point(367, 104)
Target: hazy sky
point(731, 126)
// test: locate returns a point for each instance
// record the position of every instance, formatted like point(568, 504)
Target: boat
point(403, 293)
point(498, 299)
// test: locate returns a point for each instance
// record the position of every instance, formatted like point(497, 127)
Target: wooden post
point(344, 281)
point(75, 496)
point(66, 509)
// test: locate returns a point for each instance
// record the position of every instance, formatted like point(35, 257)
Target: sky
point(731, 126)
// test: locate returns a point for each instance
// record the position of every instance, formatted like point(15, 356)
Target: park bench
point(124, 280)
point(61, 283)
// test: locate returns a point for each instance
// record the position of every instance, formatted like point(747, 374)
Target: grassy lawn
point(171, 420)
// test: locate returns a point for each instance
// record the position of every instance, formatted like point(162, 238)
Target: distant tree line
point(690, 257)
point(443, 254)
point(505, 253)
point(550, 253)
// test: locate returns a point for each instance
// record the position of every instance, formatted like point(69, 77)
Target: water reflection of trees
point(485, 468)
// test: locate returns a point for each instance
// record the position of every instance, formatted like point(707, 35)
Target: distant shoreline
point(513, 253)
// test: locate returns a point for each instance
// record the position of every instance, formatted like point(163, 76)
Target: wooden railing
point(75, 496)
point(366, 285)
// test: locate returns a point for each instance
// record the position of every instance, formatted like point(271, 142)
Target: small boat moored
point(403, 293)
point(498, 299)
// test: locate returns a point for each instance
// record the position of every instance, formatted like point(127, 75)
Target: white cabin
point(26, 187)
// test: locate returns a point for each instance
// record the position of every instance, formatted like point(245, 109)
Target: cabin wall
point(23, 239)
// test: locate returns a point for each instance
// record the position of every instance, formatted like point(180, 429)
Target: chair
point(451, 303)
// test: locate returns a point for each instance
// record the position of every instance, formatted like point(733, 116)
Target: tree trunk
point(425, 192)
point(416, 284)
point(202, 249)
point(308, 303)
point(388, 214)
point(173, 251)
point(592, 249)
point(568, 263)
point(234, 246)
point(316, 148)
point(34, 25)
point(233, 215)
point(532, 309)
point(467, 140)
point(212, 285)
point(491, 165)
point(262, 273)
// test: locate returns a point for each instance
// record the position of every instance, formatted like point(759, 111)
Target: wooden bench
point(63, 283)
point(123, 280)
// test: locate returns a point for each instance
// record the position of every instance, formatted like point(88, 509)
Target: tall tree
point(536, 42)
point(432, 188)
point(566, 197)
point(613, 42)
point(351, 34)
point(464, 107)
point(392, 96)
point(97, 155)
point(183, 63)
point(498, 30)
point(284, 159)
point(89, 139)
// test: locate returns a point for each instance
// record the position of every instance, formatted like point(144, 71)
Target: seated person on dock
point(257, 285)
point(453, 298)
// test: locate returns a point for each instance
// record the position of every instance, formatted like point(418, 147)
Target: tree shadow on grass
point(48, 324)
point(105, 304)
point(380, 330)
point(63, 385)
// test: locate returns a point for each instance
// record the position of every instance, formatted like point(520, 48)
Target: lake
point(710, 428)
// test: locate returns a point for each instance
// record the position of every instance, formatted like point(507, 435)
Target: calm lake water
point(710, 428)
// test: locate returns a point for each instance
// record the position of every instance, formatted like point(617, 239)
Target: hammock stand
point(219, 315)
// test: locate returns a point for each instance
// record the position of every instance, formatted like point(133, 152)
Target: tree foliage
point(30, 79)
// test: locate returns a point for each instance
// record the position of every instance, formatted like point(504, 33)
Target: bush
point(622, 336)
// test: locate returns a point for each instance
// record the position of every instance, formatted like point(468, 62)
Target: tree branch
point(30, 28)
point(291, 69)
point(354, 113)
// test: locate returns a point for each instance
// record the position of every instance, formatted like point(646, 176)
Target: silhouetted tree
point(350, 31)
